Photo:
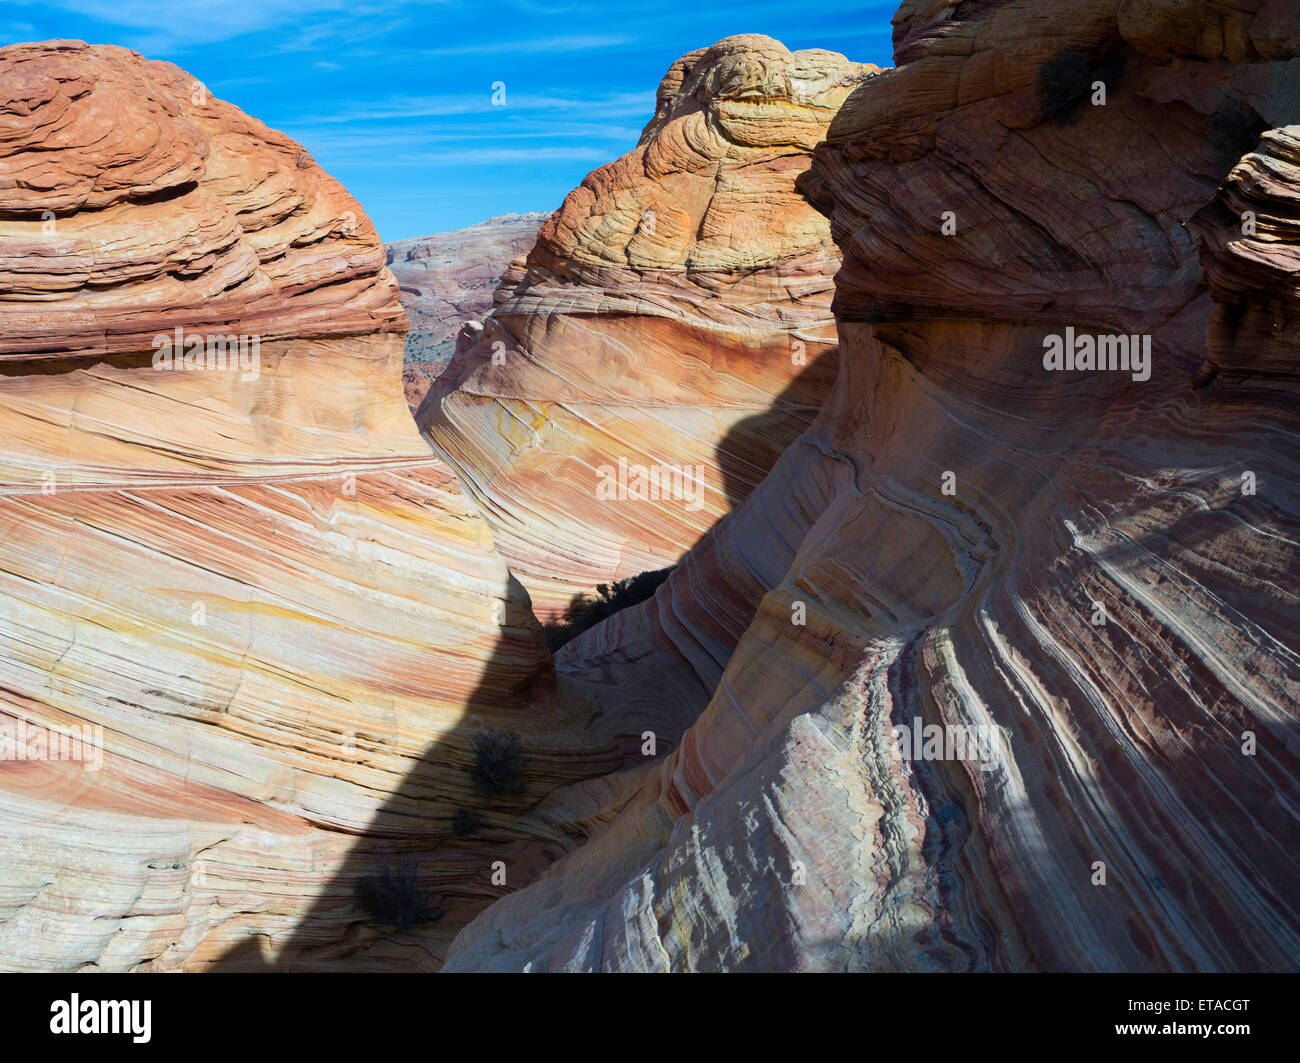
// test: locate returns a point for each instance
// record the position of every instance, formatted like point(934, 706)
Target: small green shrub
point(466, 822)
point(1235, 129)
point(1065, 81)
point(585, 613)
point(393, 897)
point(499, 762)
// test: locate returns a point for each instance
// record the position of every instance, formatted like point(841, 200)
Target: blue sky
point(394, 97)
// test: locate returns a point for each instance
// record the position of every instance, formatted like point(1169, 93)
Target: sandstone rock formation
point(447, 280)
point(287, 623)
point(674, 316)
point(236, 589)
point(1097, 571)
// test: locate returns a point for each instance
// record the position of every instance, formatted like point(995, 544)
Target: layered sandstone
point(673, 316)
point(286, 620)
point(447, 280)
point(247, 585)
point(1097, 570)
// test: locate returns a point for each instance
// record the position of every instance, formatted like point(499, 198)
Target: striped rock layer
point(1098, 572)
point(263, 608)
point(674, 315)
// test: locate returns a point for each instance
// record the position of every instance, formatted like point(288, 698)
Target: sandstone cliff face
point(674, 317)
point(1100, 573)
point(240, 576)
point(447, 280)
point(286, 620)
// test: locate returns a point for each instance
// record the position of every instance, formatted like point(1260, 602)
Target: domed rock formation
point(1089, 577)
point(995, 669)
point(666, 338)
point(249, 625)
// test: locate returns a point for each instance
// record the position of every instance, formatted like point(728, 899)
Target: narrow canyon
point(287, 519)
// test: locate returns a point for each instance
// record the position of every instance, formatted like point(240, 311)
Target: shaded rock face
point(449, 279)
point(256, 616)
point(667, 337)
point(1095, 571)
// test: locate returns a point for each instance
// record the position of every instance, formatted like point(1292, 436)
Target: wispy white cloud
point(13, 32)
point(161, 26)
point(394, 108)
point(365, 143)
point(357, 25)
point(199, 21)
point(504, 156)
point(224, 85)
point(532, 46)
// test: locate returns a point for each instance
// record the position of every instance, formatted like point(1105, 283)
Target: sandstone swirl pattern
point(674, 312)
point(783, 832)
point(274, 603)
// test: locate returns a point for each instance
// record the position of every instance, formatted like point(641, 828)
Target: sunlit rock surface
point(1108, 588)
point(674, 316)
point(251, 593)
point(447, 280)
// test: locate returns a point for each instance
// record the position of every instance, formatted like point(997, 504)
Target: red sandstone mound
point(668, 336)
point(237, 574)
point(1088, 577)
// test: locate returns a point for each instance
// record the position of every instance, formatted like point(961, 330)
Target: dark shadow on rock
point(412, 880)
point(752, 446)
point(412, 853)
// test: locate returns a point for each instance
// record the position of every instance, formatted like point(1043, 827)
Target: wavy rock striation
point(1094, 572)
point(673, 321)
point(236, 589)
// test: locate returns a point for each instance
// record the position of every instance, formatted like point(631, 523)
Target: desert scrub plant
point(466, 822)
point(393, 897)
point(1067, 79)
point(499, 762)
point(585, 613)
point(1234, 129)
point(1063, 84)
